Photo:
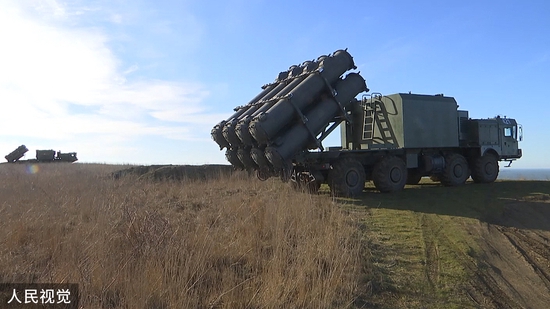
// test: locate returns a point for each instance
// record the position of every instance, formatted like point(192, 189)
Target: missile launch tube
point(228, 130)
point(231, 131)
point(231, 156)
point(258, 156)
point(242, 128)
point(274, 90)
point(217, 131)
point(245, 157)
point(300, 134)
point(267, 125)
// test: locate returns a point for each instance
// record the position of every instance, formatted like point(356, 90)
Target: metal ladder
point(374, 112)
point(369, 114)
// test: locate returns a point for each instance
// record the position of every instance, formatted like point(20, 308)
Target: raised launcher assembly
point(290, 115)
point(17, 154)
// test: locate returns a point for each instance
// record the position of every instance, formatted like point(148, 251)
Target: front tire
point(456, 170)
point(485, 169)
point(390, 174)
point(347, 177)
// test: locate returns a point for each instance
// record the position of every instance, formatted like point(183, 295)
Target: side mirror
point(520, 127)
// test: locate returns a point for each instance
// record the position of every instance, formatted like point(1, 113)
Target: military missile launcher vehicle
point(41, 156)
point(53, 156)
point(17, 154)
point(391, 140)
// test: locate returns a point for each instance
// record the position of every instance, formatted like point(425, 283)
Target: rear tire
point(390, 174)
point(456, 170)
point(347, 177)
point(485, 169)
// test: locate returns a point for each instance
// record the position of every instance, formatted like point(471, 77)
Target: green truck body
point(53, 156)
point(402, 121)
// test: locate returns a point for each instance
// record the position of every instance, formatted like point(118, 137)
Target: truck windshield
point(508, 132)
point(511, 132)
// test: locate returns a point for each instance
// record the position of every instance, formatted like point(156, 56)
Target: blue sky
point(144, 81)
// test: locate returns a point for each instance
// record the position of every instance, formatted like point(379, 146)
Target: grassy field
point(429, 246)
point(230, 242)
point(235, 242)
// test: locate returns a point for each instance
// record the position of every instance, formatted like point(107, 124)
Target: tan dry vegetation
point(230, 242)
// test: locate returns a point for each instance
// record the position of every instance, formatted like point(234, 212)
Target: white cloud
point(59, 80)
point(63, 86)
point(116, 18)
point(131, 69)
point(48, 7)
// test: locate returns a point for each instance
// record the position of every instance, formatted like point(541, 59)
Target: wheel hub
point(395, 175)
point(458, 171)
point(489, 169)
point(352, 178)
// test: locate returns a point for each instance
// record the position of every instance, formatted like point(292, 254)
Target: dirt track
point(476, 246)
point(515, 266)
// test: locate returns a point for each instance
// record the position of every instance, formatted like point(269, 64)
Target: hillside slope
point(204, 237)
point(475, 246)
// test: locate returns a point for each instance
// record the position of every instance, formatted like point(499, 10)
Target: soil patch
point(514, 270)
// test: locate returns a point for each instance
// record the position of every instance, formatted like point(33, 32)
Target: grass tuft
point(226, 242)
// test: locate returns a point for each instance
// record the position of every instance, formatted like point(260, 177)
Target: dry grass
point(230, 242)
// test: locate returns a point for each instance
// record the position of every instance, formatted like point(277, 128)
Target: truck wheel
point(485, 169)
point(347, 177)
point(413, 176)
point(390, 174)
point(305, 183)
point(456, 170)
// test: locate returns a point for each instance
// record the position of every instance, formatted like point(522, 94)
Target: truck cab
point(511, 135)
point(498, 136)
